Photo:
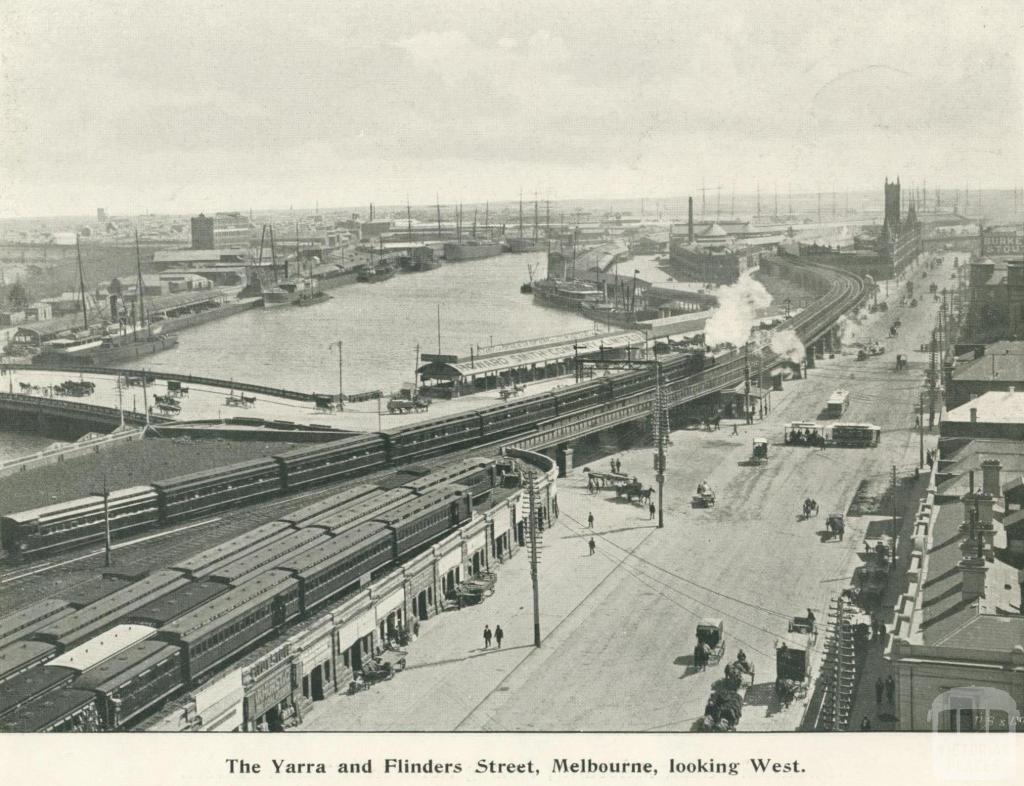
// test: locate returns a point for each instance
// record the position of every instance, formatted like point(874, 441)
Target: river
point(379, 324)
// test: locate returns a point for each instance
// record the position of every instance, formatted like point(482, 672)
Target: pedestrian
point(652, 509)
point(487, 637)
point(865, 724)
point(735, 430)
point(890, 690)
point(499, 634)
point(612, 462)
point(590, 520)
point(554, 506)
point(593, 547)
point(879, 690)
point(590, 485)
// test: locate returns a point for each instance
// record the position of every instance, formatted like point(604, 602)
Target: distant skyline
point(197, 106)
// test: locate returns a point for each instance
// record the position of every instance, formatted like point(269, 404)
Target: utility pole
point(931, 385)
point(893, 512)
point(81, 282)
point(746, 382)
point(106, 522)
point(438, 328)
point(660, 438)
point(531, 480)
point(920, 430)
point(341, 372)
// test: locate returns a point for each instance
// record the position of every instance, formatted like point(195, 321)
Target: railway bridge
point(814, 328)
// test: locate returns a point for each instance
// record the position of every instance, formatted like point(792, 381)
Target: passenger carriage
point(311, 466)
point(41, 531)
point(202, 493)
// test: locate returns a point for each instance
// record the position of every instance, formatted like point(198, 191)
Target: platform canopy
point(491, 365)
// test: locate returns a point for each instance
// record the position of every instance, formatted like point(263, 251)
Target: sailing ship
point(472, 247)
point(106, 344)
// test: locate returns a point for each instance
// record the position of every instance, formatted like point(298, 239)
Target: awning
point(496, 364)
point(478, 541)
point(452, 559)
point(390, 602)
point(353, 630)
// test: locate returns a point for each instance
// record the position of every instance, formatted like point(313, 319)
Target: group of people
point(810, 507)
point(616, 466)
point(498, 634)
point(805, 437)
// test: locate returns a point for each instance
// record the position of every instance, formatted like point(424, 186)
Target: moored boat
point(472, 249)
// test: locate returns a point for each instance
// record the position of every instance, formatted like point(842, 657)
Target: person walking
point(652, 509)
point(879, 690)
point(590, 520)
point(499, 634)
point(890, 690)
point(735, 430)
point(865, 724)
point(593, 547)
point(487, 637)
point(554, 506)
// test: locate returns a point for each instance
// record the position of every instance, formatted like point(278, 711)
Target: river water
point(379, 324)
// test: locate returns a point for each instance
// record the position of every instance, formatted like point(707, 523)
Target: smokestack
point(974, 414)
point(689, 223)
point(990, 470)
point(972, 578)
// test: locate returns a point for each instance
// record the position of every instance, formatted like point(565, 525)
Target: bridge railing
point(57, 453)
point(38, 403)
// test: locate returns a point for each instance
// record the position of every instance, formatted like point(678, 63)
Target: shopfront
point(313, 655)
point(504, 527)
point(476, 553)
point(390, 611)
point(267, 683)
point(449, 568)
point(421, 589)
point(354, 640)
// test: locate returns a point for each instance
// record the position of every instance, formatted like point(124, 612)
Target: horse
point(836, 527)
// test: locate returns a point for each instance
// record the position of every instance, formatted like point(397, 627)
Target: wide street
point(618, 626)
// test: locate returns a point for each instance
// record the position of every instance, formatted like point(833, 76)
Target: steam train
point(47, 530)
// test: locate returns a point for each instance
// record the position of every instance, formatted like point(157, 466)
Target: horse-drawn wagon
point(836, 525)
point(380, 667)
point(710, 646)
point(705, 496)
point(474, 590)
point(759, 453)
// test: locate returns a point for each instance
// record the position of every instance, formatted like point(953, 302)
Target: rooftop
point(106, 645)
point(997, 406)
point(1003, 360)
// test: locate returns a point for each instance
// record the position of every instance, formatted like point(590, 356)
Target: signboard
point(428, 358)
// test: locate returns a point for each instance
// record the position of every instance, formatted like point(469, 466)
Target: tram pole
point(341, 372)
point(660, 426)
point(531, 480)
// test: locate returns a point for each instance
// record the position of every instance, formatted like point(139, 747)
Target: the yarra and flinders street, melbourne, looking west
point(412, 370)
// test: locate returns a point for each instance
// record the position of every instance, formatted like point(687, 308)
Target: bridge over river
point(28, 401)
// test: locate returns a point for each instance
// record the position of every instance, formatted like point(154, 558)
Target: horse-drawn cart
point(759, 454)
point(710, 641)
point(704, 498)
point(474, 590)
point(378, 668)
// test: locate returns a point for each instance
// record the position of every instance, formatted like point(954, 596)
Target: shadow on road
point(475, 653)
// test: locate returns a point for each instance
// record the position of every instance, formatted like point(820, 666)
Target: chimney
point(972, 578)
point(990, 484)
point(974, 414)
point(689, 223)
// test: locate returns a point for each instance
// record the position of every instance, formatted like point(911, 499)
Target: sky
point(187, 106)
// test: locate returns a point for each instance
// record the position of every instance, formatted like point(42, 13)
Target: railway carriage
point(363, 510)
point(509, 419)
point(202, 493)
point(631, 383)
point(31, 684)
point(41, 531)
point(332, 461)
point(580, 397)
point(430, 517)
point(329, 568)
point(480, 475)
point(230, 623)
point(21, 656)
point(197, 565)
point(66, 709)
point(423, 440)
point(23, 622)
point(133, 681)
point(169, 607)
point(238, 570)
point(335, 502)
point(77, 627)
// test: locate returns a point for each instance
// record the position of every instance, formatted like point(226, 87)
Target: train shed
point(450, 376)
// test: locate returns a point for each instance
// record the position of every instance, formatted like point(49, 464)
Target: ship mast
point(536, 217)
point(81, 282)
point(487, 219)
point(439, 237)
point(273, 254)
point(520, 215)
point(138, 264)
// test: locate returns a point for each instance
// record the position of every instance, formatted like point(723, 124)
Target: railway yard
point(734, 561)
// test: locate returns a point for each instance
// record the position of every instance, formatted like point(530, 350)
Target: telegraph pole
point(660, 437)
point(746, 383)
point(341, 371)
point(920, 430)
point(931, 386)
point(894, 510)
point(531, 480)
